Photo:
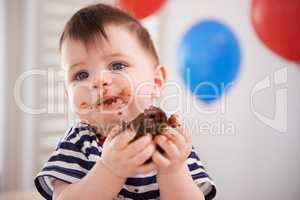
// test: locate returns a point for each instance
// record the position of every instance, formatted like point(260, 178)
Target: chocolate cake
point(152, 121)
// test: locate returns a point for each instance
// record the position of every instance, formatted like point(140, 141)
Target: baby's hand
point(126, 159)
point(177, 145)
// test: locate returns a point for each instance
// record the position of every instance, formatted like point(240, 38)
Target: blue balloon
point(209, 59)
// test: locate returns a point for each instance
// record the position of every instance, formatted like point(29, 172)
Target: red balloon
point(277, 23)
point(140, 8)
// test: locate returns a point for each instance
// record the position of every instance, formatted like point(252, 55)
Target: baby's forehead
point(115, 38)
point(117, 42)
point(75, 51)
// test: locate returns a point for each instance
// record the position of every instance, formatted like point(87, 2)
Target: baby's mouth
point(110, 103)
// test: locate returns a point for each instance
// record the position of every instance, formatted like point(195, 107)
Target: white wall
point(1, 83)
point(255, 161)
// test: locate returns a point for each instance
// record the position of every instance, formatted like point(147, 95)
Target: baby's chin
point(107, 118)
point(101, 118)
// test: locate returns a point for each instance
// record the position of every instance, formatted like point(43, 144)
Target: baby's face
point(112, 80)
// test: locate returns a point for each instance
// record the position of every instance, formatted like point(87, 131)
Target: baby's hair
point(88, 25)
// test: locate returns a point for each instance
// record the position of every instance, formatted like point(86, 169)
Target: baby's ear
point(160, 75)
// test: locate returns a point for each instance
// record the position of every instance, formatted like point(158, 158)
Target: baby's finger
point(161, 141)
point(115, 130)
point(188, 142)
point(120, 141)
point(144, 155)
point(168, 146)
point(186, 134)
point(160, 160)
point(133, 148)
point(176, 137)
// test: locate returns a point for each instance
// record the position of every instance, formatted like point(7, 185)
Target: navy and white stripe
point(77, 153)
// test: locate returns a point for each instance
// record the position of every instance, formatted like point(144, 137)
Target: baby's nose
point(101, 83)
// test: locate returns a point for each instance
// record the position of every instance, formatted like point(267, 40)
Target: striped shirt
point(78, 151)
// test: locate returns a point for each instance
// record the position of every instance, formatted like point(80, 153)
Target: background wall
point(2, 20)
point(254, 161)
point(247, 158)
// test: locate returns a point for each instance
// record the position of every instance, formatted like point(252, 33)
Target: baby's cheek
point(133, 85)
point(123, 85)
point(144, 91)
point(142, 97)
point(81, 99)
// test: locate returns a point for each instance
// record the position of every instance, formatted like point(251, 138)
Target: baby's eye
point(117, 66)
point(81, 75)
